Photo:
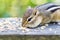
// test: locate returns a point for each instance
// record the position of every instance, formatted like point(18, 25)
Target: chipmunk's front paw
point(44, 26)
point(24, 29)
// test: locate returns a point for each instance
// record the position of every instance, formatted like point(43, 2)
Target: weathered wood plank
point(11, 26)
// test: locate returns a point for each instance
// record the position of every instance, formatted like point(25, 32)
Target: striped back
point(50, 7)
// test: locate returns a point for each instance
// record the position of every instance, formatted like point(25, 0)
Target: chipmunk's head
point(31, 18)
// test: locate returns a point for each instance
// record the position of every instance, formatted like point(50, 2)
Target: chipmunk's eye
point(35, 13)
point(29, 19)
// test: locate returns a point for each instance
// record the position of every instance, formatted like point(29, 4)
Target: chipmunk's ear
point(29, 7)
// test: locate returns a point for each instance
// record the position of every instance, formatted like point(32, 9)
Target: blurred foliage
point(16, 8)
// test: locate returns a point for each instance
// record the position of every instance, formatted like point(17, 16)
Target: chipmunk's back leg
point(56, 16)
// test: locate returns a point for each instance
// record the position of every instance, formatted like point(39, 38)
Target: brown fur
point(26, 15)
point(56, 16)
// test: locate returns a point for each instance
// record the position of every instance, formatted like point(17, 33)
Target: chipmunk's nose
point(24, 25)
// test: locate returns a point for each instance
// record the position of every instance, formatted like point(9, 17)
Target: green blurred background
point(16, 8)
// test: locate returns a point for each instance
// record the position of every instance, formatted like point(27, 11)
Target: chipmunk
point(40, 15)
